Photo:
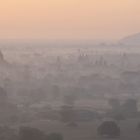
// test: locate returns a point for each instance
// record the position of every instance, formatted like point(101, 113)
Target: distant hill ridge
point(131, 40)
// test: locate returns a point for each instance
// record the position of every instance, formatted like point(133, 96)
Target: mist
point(71, 90)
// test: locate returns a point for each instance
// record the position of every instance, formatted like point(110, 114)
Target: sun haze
point(69, 19)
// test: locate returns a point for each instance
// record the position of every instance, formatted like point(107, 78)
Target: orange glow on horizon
point(92, 19)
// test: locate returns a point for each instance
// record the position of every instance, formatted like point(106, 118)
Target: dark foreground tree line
point(108, 129)
point(27, 133)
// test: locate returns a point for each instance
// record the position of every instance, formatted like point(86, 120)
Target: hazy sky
point(70, 19)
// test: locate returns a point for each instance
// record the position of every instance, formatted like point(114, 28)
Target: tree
point(70, 99)
point(55, 92)
point(129, 108)
point(109, 128)
point(138, 126)
point(115, 104)
point(3, 96)
point(27, 133)
point(7, 133)
point(54, 136)
point(68, 115)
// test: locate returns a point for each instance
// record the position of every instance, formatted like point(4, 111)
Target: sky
point(69, 19)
